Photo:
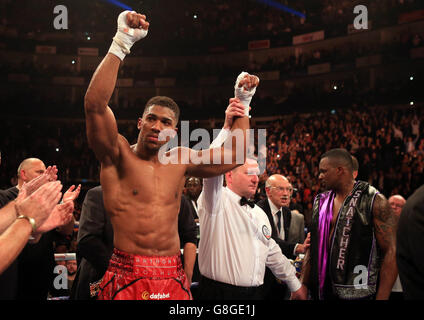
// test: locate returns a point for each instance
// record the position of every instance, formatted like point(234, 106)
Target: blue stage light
point(119, 4)
point(280, 6)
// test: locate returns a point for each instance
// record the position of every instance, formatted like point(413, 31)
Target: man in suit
point(95, 244)
point(409, 248)
point(194, 188)
point(288, 228)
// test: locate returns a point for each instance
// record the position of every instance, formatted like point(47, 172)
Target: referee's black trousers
point(214, 290)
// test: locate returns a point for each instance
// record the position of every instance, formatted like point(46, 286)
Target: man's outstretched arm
point(102, 130)
point(244, 90)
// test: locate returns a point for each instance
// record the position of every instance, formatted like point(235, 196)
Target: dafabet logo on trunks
point(145, 295)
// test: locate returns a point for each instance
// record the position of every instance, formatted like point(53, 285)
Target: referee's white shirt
point(235, 241)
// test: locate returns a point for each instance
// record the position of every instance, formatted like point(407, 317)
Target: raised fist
point(133, 24)
point(245, 88)
point(247, 81)
point(132, 27)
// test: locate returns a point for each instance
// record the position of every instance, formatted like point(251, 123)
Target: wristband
point(30, 220)
point(118, 50)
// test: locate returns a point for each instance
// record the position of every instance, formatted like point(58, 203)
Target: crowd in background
point(194, 27)
point(388, 143)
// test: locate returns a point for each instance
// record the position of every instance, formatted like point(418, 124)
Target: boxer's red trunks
point(133, 277)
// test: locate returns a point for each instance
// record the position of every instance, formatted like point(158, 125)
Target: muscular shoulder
point(381, 209)
point(385, 222)
point(123, 142)
point(114, 158)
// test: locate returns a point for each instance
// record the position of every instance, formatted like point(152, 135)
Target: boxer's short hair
point(166, 102)
point(339, 157)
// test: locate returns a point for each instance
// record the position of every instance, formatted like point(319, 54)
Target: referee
point(235, 239)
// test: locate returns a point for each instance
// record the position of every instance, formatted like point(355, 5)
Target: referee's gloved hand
point(132, 27)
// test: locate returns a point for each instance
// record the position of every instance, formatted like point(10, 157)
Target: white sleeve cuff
point(293, 284)
point(294, 250)
point(220, 139)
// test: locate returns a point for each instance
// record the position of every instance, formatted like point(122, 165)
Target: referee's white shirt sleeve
point(281, 266)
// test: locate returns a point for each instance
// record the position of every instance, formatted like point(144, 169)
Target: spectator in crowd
point(38, 258)
point(287, 229)
point(193, 187)
point(63, 282)
point(71, 266)
point(289, 226)
point(187, 231)
point(35, 208)
point(37, 212)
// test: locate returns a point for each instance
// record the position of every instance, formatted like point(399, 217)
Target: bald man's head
point(243, 180)
point(279, 190)
point(30, 169)
point(397, 202)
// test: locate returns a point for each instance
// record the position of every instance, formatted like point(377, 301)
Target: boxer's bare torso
point(142, 198)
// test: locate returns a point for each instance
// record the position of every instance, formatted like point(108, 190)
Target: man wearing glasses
point(288, 228)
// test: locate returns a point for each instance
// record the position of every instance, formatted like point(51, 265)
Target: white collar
point(233, 195)
point(273, 207)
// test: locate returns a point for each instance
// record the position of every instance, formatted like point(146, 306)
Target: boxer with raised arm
point(142, 193)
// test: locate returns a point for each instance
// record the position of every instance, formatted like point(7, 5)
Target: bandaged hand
point(131, 28)
point(245, 88)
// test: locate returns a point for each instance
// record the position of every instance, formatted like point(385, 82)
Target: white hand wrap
point(125, 37)
point(245, 95)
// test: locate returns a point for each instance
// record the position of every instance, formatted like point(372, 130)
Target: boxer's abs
point(148, 229)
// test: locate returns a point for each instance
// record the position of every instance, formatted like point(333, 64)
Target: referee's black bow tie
point(244, 201)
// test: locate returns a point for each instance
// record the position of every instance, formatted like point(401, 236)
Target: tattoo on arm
point(385, 223)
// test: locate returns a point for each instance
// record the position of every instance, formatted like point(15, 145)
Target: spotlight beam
point(119, 4)
point(280, 6)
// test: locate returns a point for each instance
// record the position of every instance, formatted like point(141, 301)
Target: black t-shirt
point(35, 268)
